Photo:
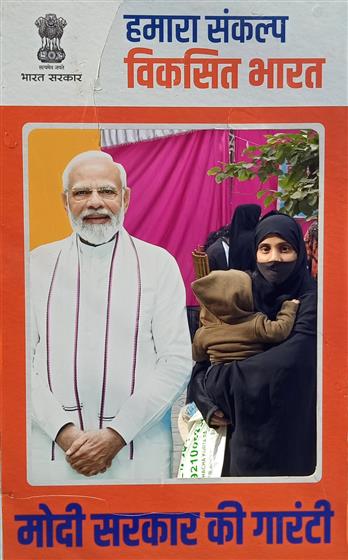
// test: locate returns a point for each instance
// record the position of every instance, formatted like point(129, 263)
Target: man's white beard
point(97, 234)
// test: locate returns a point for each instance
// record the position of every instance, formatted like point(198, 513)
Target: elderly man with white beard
point(109, 337)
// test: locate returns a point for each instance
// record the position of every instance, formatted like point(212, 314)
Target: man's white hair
point(91, 154)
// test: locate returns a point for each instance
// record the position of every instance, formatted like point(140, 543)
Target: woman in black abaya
point(241, 237)
point(269, 400)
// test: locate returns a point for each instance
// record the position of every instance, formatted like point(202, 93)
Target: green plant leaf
point(313, 200)
point(298, 195)
point(299, 184)
point(213, 170)
point(268, 200)
point(220, 177)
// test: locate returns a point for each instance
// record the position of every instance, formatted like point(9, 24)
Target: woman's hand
point(218, 419)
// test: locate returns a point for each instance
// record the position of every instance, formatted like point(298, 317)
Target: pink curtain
point(174, 203)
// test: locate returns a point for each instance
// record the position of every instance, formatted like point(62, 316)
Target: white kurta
point(145, 367)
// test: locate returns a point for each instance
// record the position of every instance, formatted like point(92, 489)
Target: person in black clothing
point(217, 250)
point(241, 237)
point(213, 236)
point(232, 246)
point(268, 401)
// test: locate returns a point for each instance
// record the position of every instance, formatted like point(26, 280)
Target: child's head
point(225, 293)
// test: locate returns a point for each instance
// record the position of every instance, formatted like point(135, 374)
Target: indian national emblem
point(50, 30)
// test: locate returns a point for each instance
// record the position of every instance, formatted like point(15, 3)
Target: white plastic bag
point(203, 452)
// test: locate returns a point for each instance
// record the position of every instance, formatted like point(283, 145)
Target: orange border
point(19, 497)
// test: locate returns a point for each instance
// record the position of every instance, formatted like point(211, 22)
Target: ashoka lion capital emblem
point(50, 29)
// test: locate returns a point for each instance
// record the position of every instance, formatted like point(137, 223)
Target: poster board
point(98, 82)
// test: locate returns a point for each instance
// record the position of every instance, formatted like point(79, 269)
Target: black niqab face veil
point(268, 297)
